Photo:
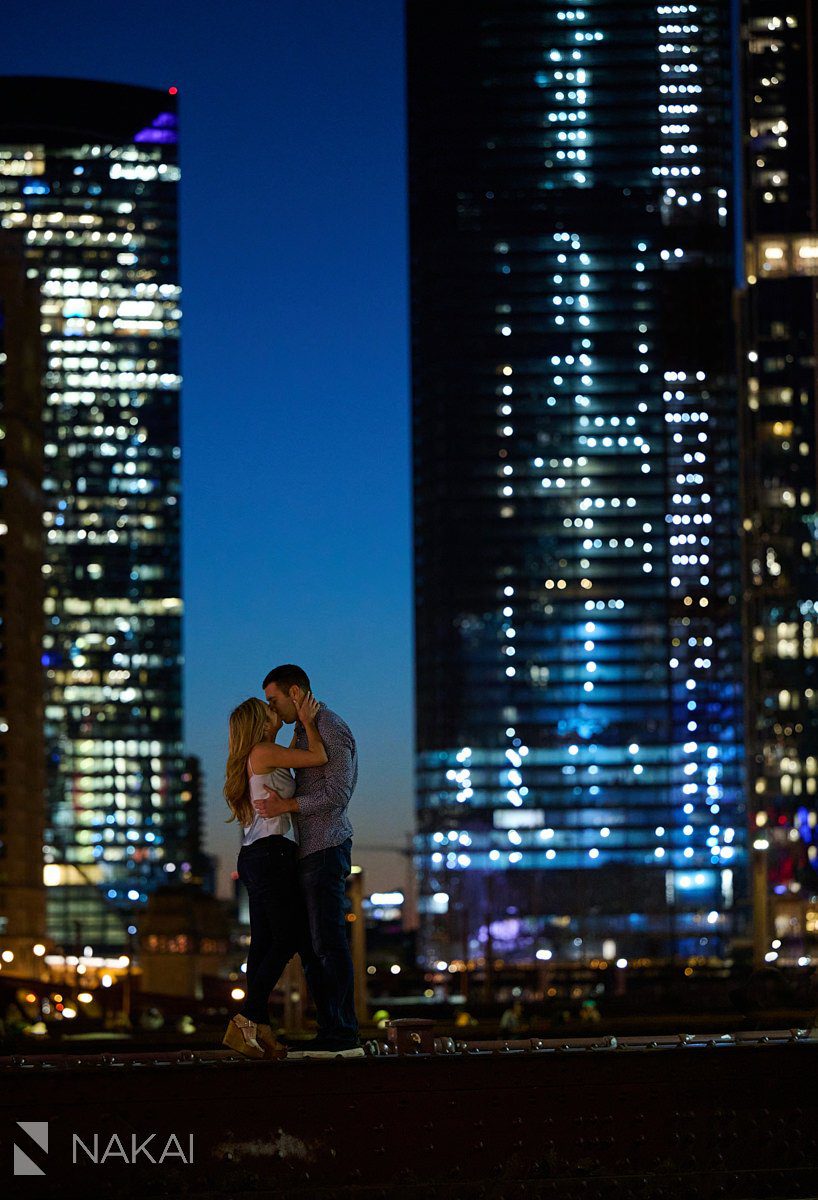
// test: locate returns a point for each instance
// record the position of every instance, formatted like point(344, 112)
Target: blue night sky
point(295, 408)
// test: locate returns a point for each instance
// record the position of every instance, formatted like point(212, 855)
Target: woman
point(268, 858)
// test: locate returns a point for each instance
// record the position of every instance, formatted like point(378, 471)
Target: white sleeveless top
point(281, 781)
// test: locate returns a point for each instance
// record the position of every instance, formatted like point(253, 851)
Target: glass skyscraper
point(781, 468)
point(89, 178)
point(580, 728)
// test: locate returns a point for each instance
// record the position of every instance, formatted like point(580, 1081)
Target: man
point(322, 795)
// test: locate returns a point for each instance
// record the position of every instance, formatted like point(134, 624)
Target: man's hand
point(273, 805)
point(307, 709)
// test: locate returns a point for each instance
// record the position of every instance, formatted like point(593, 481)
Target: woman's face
point(273, 725)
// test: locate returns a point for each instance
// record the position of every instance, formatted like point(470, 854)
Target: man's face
point(282, 703)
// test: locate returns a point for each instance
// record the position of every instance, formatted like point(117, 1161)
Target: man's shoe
point(330, 1048)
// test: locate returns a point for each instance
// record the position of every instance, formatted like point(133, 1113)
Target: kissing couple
point(296, 853)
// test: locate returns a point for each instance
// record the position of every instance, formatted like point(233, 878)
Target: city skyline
point(465, 353)
point(768, 38)
point(262, 587)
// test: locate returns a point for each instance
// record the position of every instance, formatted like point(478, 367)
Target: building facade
point(780, 319)
point(577, 557)
point(89, 179)
point(199, 867)
point(22, 750)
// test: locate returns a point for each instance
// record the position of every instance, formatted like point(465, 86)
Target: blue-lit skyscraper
point(89, 180)
point(577, 561)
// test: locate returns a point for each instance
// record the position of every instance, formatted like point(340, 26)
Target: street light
point(761, 902)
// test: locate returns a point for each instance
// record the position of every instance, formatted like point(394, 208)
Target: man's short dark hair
point(286, 676)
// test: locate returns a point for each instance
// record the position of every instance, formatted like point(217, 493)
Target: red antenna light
point(173, 91)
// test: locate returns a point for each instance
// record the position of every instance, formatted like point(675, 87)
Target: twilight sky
point(295, 342)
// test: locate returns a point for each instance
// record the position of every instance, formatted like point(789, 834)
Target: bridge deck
point(643, 1119)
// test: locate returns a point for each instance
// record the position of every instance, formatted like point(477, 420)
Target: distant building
point(186, 935)
point(197, 867)
point(580, 726)
point(22, 753)
point(89, 178)
point(389, 943)
point(780, 311)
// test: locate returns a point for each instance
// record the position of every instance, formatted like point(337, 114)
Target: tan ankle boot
point(272, 1046)
point(241, 1037)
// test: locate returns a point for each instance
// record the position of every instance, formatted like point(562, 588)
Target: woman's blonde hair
point(248, 726)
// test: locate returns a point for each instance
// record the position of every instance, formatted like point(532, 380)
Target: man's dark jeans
point(329, 968)
point(268, 868)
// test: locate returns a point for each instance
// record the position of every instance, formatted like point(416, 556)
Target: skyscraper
point(88, 177)
point(781, 465)
point(577, 559)
point(22, 753)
